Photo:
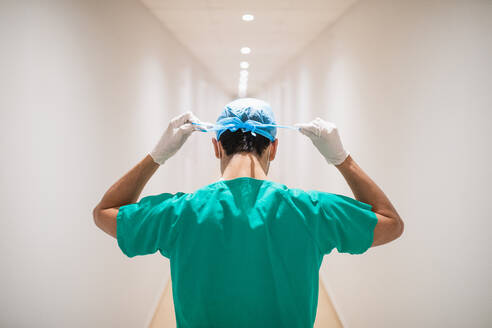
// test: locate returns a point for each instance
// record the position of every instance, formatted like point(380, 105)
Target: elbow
point(95, 215)
point(401, 228)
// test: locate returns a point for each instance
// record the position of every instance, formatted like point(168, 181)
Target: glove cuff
point(158, 158)
point(339, 158)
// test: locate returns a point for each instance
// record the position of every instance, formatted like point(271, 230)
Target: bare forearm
point(127, 189)
point(365, 189)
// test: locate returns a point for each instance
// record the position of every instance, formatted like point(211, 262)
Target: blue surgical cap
point(248, 114)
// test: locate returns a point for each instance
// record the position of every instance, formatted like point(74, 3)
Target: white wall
point(86, 90)
point(409, 84)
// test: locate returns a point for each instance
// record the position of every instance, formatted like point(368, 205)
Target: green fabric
point(245, 252)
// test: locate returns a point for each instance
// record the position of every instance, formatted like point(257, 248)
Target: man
point(245, 251)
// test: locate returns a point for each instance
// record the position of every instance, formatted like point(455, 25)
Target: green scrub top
point(245, 252)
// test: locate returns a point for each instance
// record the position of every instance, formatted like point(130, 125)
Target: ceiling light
point(242, 89)
point(243, 72)
point(244, 64)
point(248, 17)
point(243, 79)
point(245, 50)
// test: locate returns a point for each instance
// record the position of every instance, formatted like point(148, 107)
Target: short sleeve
point(149, 225)
point(337, 221)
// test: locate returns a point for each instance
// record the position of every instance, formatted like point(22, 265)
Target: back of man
point(246, 251)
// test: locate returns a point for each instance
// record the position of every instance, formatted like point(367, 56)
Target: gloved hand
point(326, 138)
point(179, 129)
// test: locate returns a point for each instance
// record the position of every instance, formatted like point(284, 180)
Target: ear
point(273, 149)
point(216, 147)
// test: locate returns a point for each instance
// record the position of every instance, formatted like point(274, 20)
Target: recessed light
point(245, 50)
point(248, 17)
point(244, 64)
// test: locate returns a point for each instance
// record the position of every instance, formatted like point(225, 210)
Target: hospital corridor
point(225, 163)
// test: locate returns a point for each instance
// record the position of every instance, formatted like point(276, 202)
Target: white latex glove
point(179, 129)
point(326, 138)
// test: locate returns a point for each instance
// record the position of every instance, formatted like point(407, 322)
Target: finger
point(307, 129)
point(188, 128)
point(196, 124)
point(312, 128)
point(182, 118)
point(309, 134)
point(317, 127)
point(205, 126)
point(324, 124)
point(302, 125)
point(193, 119)
point(199, 128)
point(327, 125)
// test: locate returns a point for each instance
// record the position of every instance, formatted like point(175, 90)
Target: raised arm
point(128, 188)
point(326, 138)
point(390, 226)
point(123, 192)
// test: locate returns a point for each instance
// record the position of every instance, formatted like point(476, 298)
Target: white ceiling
point(214, 32)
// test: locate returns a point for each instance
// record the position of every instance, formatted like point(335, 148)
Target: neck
point(243, 165)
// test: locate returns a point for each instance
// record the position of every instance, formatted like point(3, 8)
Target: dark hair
point(239, 141)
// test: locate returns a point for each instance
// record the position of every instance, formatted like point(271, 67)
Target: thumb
point(301, 126)
point(188, 128)
point(307, 129)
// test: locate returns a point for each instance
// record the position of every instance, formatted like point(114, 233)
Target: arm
point(390, 226)
point(326, 138)
point(125, 191)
